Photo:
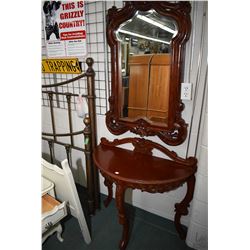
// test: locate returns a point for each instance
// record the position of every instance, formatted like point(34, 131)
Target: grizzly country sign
point(64, 29)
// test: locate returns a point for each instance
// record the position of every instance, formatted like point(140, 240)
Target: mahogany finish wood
point(139, 169)
point(176, 131)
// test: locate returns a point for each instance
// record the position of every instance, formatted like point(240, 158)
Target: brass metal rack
point(89, 132)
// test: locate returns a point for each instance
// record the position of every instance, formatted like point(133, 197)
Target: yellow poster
point(61, 66)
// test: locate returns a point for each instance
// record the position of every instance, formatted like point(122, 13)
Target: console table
point(139, 169)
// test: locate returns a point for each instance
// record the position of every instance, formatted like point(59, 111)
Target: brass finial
point(86, 121)
point(90, 62)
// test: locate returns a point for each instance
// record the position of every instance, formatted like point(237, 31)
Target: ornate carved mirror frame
point(176, 130)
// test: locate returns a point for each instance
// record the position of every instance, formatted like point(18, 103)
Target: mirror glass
point(145, 45)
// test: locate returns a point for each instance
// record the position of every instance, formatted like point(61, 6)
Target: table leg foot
point(120, 191)
point(59, 233)
point(109, 185)
point(182, 208)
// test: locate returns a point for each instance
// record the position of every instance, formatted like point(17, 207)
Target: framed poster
point(64, 28)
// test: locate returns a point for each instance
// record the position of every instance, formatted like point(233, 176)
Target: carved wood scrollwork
point(146, 146)
point(174, 132)
point(142, 128)
point(154, 188)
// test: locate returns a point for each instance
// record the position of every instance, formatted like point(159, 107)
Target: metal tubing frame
point(92, 115)
point(89, 164)
point(52, 114)
point(70, 118)
point(89, 133)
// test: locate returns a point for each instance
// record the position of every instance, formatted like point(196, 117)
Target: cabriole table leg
point(120, 191)
point(182, 208)
point(109, 185)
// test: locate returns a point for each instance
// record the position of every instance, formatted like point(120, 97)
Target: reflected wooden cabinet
point(149, 86)
point(138, 85)
point(158, 94)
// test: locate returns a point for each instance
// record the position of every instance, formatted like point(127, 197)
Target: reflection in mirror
point(145, 42)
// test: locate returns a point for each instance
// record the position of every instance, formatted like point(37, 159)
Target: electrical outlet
point(186, 91)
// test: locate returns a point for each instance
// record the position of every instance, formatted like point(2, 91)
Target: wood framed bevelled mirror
point(147, 41)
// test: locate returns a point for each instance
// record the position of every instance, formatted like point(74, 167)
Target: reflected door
point(158, 92)
point(139, 68)
point(148, 94)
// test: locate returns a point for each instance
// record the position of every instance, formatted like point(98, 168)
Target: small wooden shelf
point(48, 203)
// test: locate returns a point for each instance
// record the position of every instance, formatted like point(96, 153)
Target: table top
point(133, 167)
point(47, 185)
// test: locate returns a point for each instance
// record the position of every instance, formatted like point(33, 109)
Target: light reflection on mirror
point(146, 59)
